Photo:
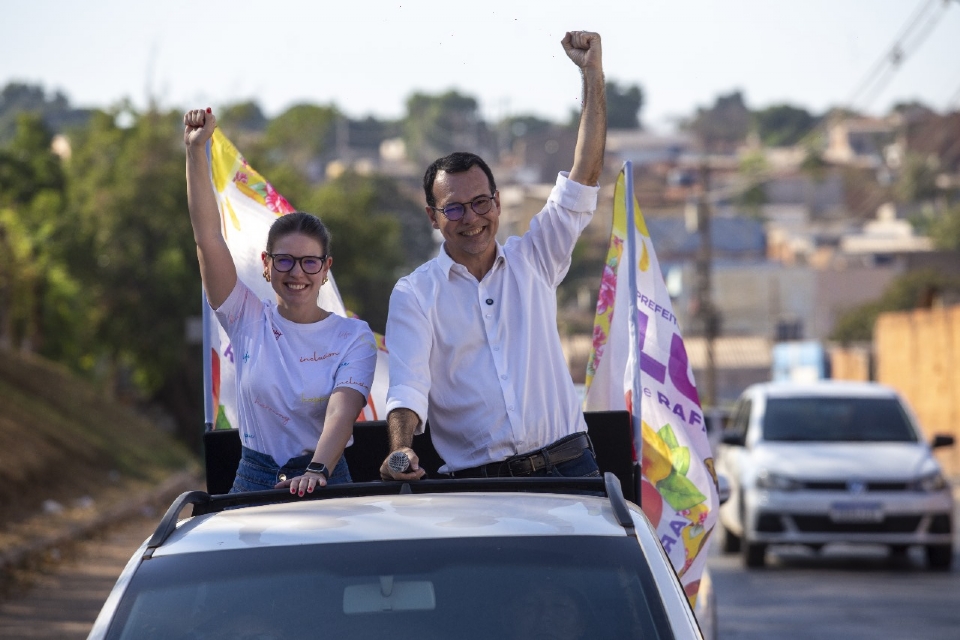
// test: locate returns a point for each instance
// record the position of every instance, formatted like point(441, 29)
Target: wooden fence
point(918, 353)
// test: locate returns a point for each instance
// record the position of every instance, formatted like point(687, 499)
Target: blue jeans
point(259, 472)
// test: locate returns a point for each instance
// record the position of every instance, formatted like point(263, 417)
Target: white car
point(537, 559)
point(830, 462)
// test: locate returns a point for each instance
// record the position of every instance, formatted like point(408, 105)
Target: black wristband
point(319, 467)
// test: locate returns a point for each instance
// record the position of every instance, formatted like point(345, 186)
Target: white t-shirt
point(286, 371)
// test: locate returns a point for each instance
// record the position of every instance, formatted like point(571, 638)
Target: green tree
point(438, 125)
point(515, 129)
point(917, 180)
point(782, 125)
point(299, 136)
point(32, 278)
point(131, 246)
point(244, 124)
point(242, 117)
point(18, 98)
point(725, 125)
point(623, 106)
point(753, 169)
point(910, 291)
point(945, 229)
point(379, 234)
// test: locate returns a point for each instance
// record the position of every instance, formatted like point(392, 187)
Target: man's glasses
point(284, 262)
point(456, 210)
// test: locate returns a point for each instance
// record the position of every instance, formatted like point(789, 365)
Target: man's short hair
point(456, 162)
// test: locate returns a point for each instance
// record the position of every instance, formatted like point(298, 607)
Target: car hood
point(825, 461)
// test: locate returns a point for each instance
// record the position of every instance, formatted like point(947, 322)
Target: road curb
point(160, 497)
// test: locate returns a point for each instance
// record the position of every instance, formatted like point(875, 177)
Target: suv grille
point(890, 524)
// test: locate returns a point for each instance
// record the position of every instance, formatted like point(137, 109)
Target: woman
point(303, 373)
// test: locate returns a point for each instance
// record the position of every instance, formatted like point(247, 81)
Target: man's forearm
point(401, 425)
point(592, 134)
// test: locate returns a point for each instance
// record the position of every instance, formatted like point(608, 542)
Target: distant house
point(779, 302)
point(677, 240)
point(860, 142)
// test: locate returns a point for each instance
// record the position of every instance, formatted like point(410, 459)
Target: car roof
point(395, 517)
point(398, 510)
point(838, 388)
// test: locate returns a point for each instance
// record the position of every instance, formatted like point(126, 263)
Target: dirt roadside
point(39, 544)
point(61, 600)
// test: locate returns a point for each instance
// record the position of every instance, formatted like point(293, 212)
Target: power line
point(881, 64)
point(916, 31)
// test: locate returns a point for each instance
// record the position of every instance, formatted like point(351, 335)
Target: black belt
point(563, 450)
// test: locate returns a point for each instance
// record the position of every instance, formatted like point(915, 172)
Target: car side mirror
point(723, 488)
point(942, 440)
point(734, 438)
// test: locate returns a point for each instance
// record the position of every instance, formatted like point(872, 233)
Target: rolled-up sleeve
point(554, 231)
point(409, 340)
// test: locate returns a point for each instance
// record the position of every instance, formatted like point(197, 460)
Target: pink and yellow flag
point(248, 206)
point(639, 363)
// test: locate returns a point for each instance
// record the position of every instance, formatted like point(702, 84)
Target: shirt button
point(489, 300)
point(503, 377)
point(496, 348)
point(487, 316)
point(510, 407)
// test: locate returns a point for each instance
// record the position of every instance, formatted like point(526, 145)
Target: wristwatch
point(319, 467)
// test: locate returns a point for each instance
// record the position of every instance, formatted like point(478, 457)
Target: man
point(472, 333)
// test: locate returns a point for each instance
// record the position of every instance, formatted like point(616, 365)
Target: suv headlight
point(776, 482)
point(929, 483)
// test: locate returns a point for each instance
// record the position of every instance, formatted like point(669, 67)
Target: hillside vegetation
point(61, 440)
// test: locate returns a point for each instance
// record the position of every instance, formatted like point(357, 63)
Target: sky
point(368, 57)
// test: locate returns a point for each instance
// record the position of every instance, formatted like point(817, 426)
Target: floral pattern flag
point(644, 369)
point(248, 206)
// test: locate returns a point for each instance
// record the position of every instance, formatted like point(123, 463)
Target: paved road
point(64, 600)
point(851, 593)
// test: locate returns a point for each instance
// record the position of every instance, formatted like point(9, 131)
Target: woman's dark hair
point(299, 222)
point(456, 162)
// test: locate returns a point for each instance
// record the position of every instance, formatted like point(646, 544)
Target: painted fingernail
point(209, 110)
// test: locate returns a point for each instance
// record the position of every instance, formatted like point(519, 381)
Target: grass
point(62, 440)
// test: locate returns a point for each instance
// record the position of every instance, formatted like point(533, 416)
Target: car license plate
point(856, 512)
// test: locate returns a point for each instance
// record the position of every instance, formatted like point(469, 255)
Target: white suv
point(827, 462)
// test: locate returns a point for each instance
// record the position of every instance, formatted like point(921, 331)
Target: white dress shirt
point(482, 361)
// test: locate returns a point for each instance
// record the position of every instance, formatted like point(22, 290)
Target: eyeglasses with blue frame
point(453, 211)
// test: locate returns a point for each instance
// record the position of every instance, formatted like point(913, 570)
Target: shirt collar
point(446, 262)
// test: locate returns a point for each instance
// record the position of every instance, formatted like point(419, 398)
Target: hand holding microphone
point(402, 464)
point(399, 462)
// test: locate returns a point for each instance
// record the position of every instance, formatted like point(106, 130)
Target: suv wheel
point(939, 557)
point(731, 541)
point(753, 554)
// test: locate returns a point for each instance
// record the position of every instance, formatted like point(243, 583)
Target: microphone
point(399, 462)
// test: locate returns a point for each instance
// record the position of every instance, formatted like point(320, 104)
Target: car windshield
point(570, 586)
point(833, 419)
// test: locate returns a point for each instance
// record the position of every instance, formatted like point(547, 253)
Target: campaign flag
point(248, 206)
point(639, 363)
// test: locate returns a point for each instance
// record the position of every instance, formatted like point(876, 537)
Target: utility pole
point(706, 312)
